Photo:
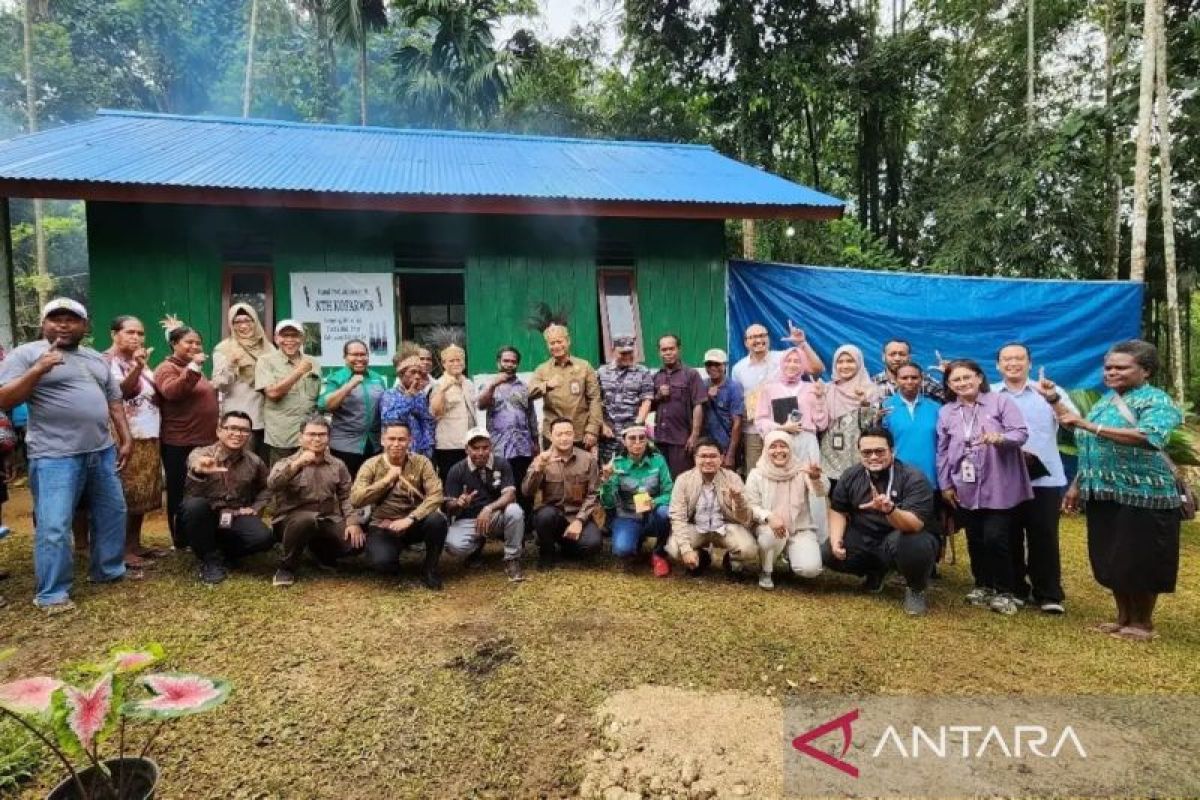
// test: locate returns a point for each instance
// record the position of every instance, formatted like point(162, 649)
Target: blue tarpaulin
point(1068, 325)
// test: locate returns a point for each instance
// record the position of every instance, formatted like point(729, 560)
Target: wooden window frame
point(629, 271)
point(228, 272)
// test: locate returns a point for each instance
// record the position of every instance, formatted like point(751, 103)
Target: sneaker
point(1051, 607)
point(915, 604)
point(213, 572)
point(512, 568)
point(660, 565)
point(283, 577)
point(873, 583)
point(765, 581)
point(61, 607)
point(431, 579)
point(979, 596)
point(1021, 601)
point(1004, 604)
point(4, 531)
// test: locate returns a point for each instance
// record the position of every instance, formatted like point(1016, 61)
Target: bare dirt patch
point(666, 742)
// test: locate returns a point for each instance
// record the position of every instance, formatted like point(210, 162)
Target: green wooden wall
point(149, 260)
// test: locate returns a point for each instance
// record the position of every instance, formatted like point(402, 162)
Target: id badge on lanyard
point(967, 470)
point(967, 467)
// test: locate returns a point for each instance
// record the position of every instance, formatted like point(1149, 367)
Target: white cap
point(283, 324)
point(64, 304)
point(715, 356)
point(478, 433)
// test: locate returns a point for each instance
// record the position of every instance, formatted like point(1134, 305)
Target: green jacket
point(650, 475)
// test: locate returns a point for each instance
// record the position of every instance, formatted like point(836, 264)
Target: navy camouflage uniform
point(622, 391)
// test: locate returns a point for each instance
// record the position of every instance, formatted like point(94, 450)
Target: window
point(619, 309)
point(253, 285)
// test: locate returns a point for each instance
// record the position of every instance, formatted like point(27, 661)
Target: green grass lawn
point(352, 686)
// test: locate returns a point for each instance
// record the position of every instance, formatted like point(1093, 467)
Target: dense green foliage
point(915, 111)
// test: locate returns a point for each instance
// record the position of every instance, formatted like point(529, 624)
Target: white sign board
point(338, 306)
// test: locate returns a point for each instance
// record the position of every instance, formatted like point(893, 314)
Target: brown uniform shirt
point(243, 486)
point(323, 487)
point(576, 395)
point(571, 486)
point(417, 496)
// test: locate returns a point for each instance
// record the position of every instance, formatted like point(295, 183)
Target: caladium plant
point(74, 721)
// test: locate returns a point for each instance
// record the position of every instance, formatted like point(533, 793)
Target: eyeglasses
point(316, 434)
point(236, 429)
point(873, 452)
point(635, 438)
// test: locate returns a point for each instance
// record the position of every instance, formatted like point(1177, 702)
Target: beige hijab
point(790, 492)
point(253, 346)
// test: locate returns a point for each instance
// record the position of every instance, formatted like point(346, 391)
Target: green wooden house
point(381, 234)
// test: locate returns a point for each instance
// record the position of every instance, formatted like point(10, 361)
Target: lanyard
point(969, 430)
point(887, 492)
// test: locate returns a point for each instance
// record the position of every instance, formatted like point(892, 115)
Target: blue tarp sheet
point(1068, 325)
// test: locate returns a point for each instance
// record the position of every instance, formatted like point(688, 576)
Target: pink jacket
point(815, 416)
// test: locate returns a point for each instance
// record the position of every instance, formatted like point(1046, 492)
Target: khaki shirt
point(323, 487)
point(572, 486)
point(576, 395)
point(418, 495)
point(283, 418)
point(243, 486)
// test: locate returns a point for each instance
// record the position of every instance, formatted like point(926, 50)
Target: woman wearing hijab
point(779, 491)
point(234, 359)
point(849, 403)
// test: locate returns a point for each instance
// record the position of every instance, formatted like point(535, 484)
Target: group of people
point(863, 474)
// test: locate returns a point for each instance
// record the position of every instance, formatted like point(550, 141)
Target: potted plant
point(74, 720)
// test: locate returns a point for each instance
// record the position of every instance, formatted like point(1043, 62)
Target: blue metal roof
point(156, 150)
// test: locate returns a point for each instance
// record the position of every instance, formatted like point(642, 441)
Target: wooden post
point(8, 295)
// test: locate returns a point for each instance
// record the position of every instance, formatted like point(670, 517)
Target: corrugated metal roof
point(140, 149)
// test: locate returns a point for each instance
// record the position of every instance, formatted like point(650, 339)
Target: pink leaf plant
point(29, 696)
point(177, 695)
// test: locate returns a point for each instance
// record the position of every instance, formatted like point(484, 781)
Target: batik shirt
point(396, 405)
point(512, 420)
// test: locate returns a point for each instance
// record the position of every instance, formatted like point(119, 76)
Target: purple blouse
point(1001, 479)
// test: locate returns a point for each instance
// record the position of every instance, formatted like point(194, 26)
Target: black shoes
point(213, 572)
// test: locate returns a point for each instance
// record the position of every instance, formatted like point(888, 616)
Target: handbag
point(1187, 498)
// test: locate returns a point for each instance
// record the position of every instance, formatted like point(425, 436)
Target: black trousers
point(325, 538)
point(989, 546)
point(911, 554)
point(549, 524)
point(199, 523)
point(384, 546)
point(443, 460)
point(678, 459)
point(174, 459)
point(1037, 564)
point(520, 466)
point(353, 461)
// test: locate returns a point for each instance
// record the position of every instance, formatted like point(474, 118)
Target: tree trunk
point(248, 82)
point(362, 76)
point(41, 261)
point(1112, 180)
point(749, 245)
point(1141, 169)
point(1030, 66)
point(1174, 329)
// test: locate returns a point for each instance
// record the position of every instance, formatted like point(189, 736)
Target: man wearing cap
point(679, 399)
point(291, 383)
point(724, 410)
point(404, 494)
point(73, 399)
point(626, 389)
point(482, 499)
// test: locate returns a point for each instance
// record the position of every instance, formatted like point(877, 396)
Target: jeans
point(57, 485)
point(462, 540)
point(628, 532)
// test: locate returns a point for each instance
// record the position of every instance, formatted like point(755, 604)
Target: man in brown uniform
point(569, 482)
point(404, 493)
point(311, 492)
point(569, 388)
point(226, 491)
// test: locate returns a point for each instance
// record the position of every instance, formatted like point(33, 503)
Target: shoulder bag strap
point(1126, 412)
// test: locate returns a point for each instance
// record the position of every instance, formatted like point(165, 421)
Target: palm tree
point(451, 73)
point(352, 21)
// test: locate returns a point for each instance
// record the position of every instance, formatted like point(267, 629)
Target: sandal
point(133, 561)
point(1131, 634)
point(1106, 627)
point(153, 553)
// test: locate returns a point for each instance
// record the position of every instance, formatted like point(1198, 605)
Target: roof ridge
point(278, 123)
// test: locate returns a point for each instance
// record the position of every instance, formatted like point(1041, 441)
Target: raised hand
point(199, 358)
point(49, 360)
point(142, 355)
point(795, 335)
point(208, 466)
point(812, 470)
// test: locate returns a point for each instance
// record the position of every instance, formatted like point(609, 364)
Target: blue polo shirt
point(915, 432)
